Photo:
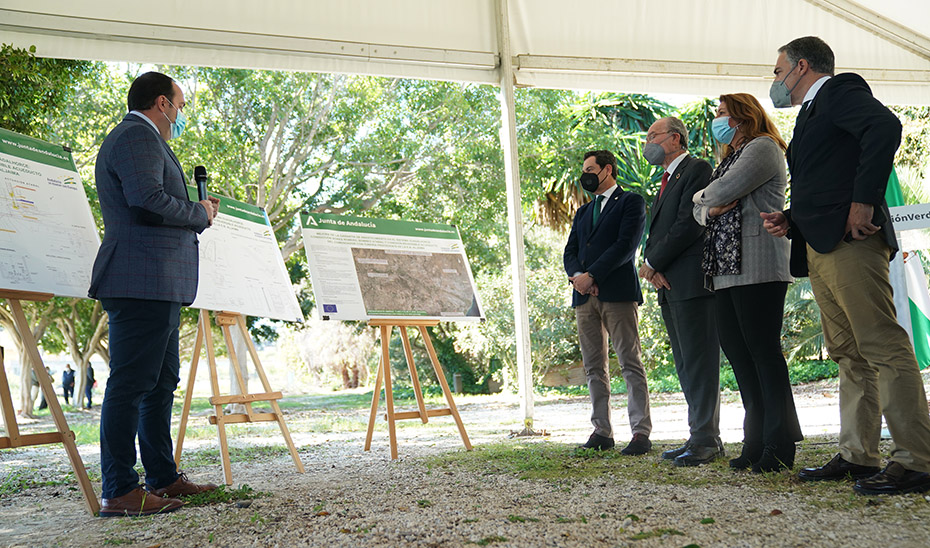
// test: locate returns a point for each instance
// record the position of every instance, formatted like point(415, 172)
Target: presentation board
point(365, 268)
point(241, 267)
point(48, 239)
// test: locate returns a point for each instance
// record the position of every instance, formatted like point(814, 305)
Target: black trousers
point(144, 368)
point(749, 320)
point(692, 330)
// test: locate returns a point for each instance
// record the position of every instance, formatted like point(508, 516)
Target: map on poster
point(365, 268)
point(241, 268)
point(48, 239)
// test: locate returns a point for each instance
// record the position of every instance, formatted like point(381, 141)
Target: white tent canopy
point(704, 47)
point(676, 46)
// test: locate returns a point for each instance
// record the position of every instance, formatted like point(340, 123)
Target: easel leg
point(376, 395)
point(414, 377)
point(215, 387)
point(67, 437)
point(188, 395)
point(243, 330)
point(388, 394)
point(445, 386)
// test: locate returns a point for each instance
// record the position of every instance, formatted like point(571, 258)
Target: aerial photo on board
point(414, 283)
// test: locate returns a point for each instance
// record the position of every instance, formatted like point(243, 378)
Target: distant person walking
point(42, 403)
point(67, 383)
point(89, 383)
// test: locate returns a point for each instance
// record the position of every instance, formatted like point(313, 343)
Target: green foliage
point(33, 89)
point(802, 335)
point(20, 480)
point(914, 151)
point(698, 116)
point(623, 112)
point(224, 494)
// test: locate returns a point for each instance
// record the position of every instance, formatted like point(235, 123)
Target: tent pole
point(508, 138)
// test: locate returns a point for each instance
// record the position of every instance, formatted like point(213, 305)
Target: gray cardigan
point(758, 180)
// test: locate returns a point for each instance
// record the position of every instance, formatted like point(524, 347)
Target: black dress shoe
point(671, 454)
point(894, 480)
point(775, 458)
point(750, 454)
point(640, 445)
point(697, 455)
point(596, 441)
point(837, 469)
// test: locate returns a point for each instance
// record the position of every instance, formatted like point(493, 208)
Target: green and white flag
point(917, 294)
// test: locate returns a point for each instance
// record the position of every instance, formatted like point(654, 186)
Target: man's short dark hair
point(817, 53)
point(148, 87)
point(604, 158)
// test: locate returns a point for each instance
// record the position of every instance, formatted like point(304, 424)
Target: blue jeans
point(144, 373)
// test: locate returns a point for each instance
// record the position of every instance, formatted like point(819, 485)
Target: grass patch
point(224, 494)
point(20, 480)
point(564, 467)
point(491, 540)
point(520, 519)
point(211, 457)
point(656, 533)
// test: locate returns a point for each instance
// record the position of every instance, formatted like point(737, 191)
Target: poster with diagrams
point(365, 268)
point(48, 239)
point(241, 267)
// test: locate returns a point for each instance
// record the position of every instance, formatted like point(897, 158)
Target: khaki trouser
point(878, 371)
point(597, 320)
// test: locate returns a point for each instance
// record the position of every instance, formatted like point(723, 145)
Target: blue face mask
point(722, 131)
point(179, 123)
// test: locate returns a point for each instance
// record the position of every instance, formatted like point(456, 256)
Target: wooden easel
point(64, 435)
point(225, 320)
point(384, 372)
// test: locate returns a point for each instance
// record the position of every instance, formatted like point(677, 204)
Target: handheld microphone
point(200, 177)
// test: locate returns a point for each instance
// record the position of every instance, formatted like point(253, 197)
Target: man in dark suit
point(672, 264)
point(840, 158)
point(606, 295)
point(145, 270)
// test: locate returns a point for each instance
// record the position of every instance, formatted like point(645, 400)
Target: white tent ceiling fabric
point(676, 46)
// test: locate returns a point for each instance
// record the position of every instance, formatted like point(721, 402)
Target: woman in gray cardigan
point(749, 273)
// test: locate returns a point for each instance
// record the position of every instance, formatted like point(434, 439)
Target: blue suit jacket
point(607, 251)
point(149, 248)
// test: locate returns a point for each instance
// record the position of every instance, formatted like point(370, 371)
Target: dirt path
point(349, 497)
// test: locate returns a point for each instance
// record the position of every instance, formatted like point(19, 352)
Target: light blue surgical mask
point(779, 92)
point(179, 123)
point(722, 131)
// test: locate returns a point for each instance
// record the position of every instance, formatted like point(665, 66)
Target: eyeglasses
point(172, 104)
point(651, 137)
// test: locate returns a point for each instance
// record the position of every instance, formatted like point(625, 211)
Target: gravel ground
point(349, 497)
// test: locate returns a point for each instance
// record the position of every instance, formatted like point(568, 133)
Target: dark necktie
point(664, 182)
point(802, 116)
point(597, 208)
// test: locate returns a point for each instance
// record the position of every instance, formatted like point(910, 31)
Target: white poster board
point(365, 268)
point(241, 267)
point(48, 239)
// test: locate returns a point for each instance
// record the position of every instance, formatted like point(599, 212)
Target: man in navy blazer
point(606, 295)
point(840, 157)
point(145, 270)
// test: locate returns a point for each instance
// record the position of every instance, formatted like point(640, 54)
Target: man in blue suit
point(145, 270)
point(606, 296)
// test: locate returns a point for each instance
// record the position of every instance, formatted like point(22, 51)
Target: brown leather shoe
point(138, 502)
point(182, 487)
